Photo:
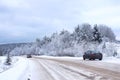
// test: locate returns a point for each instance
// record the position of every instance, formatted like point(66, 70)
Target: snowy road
point(63, 69)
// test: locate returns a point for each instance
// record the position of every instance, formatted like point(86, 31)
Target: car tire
point(100, 59)
point(93, 59)
point(90, 59)
point(83, 58)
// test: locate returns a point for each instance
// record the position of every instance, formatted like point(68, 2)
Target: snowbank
point(112, 60)
point(4, 67)
point(15, 71)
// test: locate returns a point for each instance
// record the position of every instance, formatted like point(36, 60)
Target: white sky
point(26, 20)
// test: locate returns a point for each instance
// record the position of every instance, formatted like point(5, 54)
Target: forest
point(64, 43)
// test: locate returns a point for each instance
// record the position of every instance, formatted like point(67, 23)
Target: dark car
point(29, 56)
point(92, 55)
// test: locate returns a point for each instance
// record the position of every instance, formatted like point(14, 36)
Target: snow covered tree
point(65, 38)
point(8, 59)
point(83, 33)
point(106, 32)
point(77, 34)
point(86, 32)
point(46, 40)
point(96, 35)
point(38, 42)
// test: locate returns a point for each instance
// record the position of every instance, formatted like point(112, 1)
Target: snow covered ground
point(4, 67)
point(41, 69)
point(111, 60)
point(14, 71)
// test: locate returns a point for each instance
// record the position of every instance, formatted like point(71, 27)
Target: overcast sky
point(26, 20)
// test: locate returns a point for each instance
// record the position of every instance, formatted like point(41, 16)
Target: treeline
point(84, 32)
point(7, 48)
point(67, 43)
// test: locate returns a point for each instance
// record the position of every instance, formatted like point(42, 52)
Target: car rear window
point(90, 52)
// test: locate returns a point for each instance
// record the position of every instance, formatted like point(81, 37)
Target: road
point(46, 68)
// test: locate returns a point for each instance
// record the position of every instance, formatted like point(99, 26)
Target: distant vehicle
point(29, 56)
point(92, 55)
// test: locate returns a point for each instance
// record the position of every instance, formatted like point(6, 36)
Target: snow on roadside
point(112, 60)
point(4, 67)
point(15, 71)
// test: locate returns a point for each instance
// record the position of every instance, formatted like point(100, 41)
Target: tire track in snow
point(52, 70)
point(107, 74)
point(77, 70)
point(38, 72)
point(66, 73)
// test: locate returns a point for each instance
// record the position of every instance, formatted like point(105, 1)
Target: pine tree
point(8, 60)
point(96, 35)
